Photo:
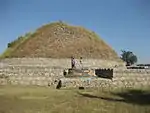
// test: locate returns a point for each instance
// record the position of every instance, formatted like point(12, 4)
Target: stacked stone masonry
point(131, 77)
point(30, 75)
point(60, 63)
point(48, 72)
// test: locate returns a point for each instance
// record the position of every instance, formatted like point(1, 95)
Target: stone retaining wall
point(122, 78)
point(29, 75)
point(46, 76)
point(60, 63)
point(131, 77)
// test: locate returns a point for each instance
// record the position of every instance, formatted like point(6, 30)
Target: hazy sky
point(123, 24)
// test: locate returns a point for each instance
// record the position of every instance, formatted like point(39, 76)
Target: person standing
point(73, 63)
point(81, 63)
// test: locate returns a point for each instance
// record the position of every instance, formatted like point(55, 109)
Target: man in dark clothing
point(72, 62)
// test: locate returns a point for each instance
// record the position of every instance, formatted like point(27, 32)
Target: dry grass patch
point(15, 99)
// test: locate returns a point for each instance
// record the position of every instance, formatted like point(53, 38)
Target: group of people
point(74, 62)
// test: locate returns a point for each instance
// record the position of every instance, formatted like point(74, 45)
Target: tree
point(129, 57)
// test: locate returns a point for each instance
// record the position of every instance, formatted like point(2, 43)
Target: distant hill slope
point(60, 40)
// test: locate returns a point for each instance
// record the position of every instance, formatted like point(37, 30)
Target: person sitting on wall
point(73, 63)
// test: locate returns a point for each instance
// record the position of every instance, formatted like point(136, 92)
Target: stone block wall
point(131, 77)
point(122, 78)
point(60, 63)
point(45, 73)
point(47, 76)
point(91, 82)
point(29, 75)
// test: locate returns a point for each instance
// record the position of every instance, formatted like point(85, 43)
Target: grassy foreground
point(15, 99)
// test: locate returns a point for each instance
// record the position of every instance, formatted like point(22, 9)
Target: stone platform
point(79, 73)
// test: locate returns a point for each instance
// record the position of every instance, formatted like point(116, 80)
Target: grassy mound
point(60, 40)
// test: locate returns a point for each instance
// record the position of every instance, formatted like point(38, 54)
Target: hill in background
point(60, 40)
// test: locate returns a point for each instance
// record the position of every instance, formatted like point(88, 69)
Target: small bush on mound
point(13, 43)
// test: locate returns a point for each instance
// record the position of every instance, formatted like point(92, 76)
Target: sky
point(123, 24)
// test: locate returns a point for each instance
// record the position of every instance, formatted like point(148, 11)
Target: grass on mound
point(15, 99)
point(12, 46)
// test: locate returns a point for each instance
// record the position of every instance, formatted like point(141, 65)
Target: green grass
point(6, 53)
point(15, 99)
point(15, 44)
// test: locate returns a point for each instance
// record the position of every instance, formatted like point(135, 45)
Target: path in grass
point(14, 99)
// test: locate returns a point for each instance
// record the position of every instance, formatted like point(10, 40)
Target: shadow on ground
point(135, 96)
point(131, 96)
